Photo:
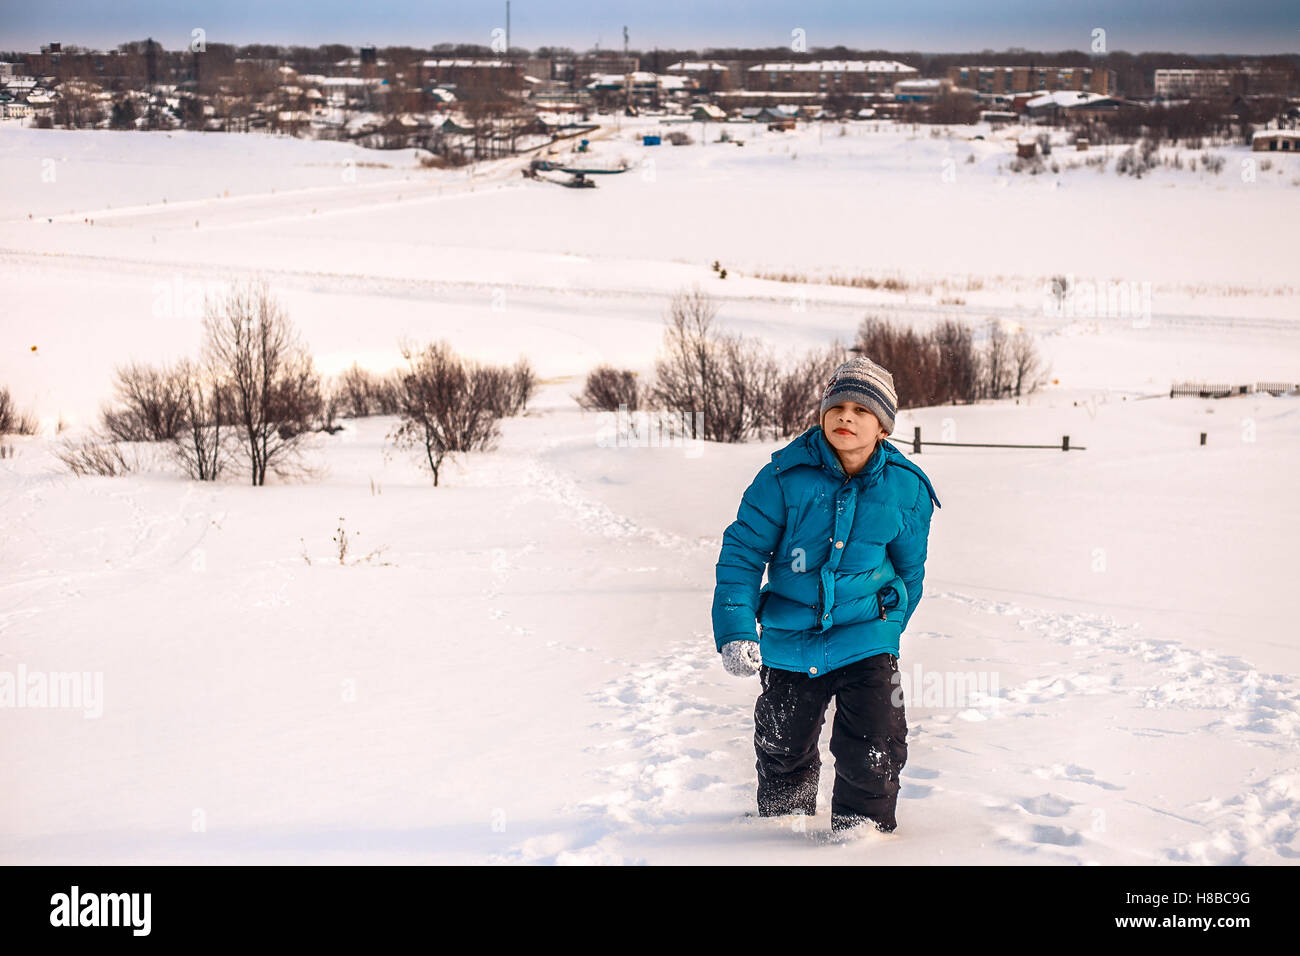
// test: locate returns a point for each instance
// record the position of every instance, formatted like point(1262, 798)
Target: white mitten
point(741, 658)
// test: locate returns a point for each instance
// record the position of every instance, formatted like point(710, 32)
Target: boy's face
point(851, 427)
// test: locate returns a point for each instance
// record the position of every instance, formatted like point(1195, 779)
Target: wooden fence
point(917, 443)
point(1202, 390)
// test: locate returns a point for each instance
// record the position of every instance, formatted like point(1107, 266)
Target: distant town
point(465, 103)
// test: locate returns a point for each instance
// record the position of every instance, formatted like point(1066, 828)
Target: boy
point(840, 519)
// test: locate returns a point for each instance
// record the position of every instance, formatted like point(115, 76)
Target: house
point(708, 113)
point(468, 72)
point(828, 76)
point(1024, 79)
point(920, 91)
point(709, 76)
point(1245, 79)
point(1053, 106)
point(770, 114)
point(1275, 140)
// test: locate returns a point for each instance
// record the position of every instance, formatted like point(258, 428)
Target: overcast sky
point(1191, 26)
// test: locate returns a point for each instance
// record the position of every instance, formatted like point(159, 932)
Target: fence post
point(1202, 438)
point(916, 440)
point(1065, 443)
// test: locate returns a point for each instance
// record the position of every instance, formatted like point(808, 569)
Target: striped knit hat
point(862, 380)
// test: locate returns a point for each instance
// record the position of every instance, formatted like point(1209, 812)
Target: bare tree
point(687, 370)
point(447, 405)
point(958, 363)
point(1027, 371)
point(722, 386)
point(741, 404)
point(12, 421)
point(199, 446)
point(355, 390)
point(996, 364)
point(275, 390)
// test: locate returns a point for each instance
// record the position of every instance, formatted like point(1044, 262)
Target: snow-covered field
point(524, 672)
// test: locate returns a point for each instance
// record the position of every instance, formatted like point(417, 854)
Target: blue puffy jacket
point(845, 556)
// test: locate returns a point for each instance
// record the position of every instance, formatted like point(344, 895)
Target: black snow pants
point(868, 741)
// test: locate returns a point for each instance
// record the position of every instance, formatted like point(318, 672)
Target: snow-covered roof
point(836, 66)
point(467, 63)
point(696, 66)
point(708, 109)
point(341, 81)
point(1064, 98)
point(783, 109)
point(1276, 133)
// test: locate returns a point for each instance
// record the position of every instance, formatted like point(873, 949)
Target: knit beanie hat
point(862, 380)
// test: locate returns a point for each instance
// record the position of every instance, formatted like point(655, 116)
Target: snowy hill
point(522, 670)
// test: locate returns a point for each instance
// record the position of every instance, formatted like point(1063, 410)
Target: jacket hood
point(812, 448)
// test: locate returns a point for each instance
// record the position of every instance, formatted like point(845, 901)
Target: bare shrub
point(944, 366)
point(276, 392)
point(911, 358)
point(1138, 159)
point(96, 454)
point(355, 390)
point(1027, 164)
point(13, 421)
point(521, 384)
point(151, 404)
point(607, 388)
point(360, 393)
